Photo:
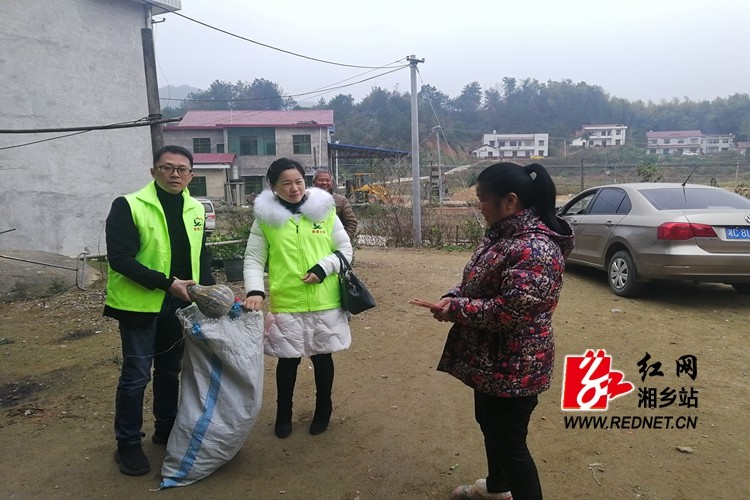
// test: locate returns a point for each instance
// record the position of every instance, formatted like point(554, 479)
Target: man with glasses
point(156, 247)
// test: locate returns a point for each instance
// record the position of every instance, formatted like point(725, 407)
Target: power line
point(240, 112)
point(266, 45)
point(143, 122)
point(44, 140)
point(437, 120)
point(320, 91)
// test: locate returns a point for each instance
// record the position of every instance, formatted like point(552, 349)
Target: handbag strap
point(344, 262)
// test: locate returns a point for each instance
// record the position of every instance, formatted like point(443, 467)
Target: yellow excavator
point(361, 189)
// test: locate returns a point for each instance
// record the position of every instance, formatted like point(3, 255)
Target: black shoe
point(157, 438)
point(321, 418)
point(132, 460)
point(283, 430)
point(283, 426)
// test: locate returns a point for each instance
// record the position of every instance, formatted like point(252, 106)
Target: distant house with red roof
point(255, 138)
point(687, 142)
point(211, 172)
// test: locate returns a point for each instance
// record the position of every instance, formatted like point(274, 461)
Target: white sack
point(221, 390)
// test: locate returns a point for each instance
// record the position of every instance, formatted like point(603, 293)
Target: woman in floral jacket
point(501, 343)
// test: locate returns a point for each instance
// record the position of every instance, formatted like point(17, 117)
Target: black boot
point(323, 364)
point(321, 418)
point(283, 425)
point(286, 377)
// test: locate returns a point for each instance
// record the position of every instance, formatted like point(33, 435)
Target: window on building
point(652, 151)
point(253, 185)
point(492, 143)
point(489, 154)
point(301, 144)
point(667, 141)
point(197, 186)
point(652, 141)
point(665, 151)
point(618, 132)
point(694, 140)
point(617, 142)
point(220, 148)
point(680, 141)
point(725, 141)
point(253, 145)
point(513, 144)
point(541, 142)
point(248, 145)
point(201, 145)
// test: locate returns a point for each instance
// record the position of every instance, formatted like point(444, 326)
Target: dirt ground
point(400, 429)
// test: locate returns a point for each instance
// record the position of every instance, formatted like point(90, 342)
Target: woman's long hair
point(531, 183)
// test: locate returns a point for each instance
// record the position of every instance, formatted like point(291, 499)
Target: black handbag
point(355, 297)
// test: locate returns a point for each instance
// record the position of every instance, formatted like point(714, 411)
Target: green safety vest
point(155, 251)
point(294, 248)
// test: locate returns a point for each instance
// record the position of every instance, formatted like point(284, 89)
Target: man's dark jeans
point(160, 343)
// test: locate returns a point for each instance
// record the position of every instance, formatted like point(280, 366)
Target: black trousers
point(286, 377)
point(504, 423)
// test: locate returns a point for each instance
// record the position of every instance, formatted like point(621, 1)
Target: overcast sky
point(634, 49)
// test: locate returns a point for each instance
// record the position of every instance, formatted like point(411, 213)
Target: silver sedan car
point(661, 231)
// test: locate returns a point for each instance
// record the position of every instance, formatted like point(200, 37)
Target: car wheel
point(743, 288)
point(621, 275)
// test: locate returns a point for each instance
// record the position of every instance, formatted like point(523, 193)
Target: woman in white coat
point(296, 232)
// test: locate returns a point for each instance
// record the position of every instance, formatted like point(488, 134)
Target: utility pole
point(437, 130)
point(416, 196)
point(582, 174)
point(152, 84)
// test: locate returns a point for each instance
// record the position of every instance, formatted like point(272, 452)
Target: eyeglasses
point(169, 169)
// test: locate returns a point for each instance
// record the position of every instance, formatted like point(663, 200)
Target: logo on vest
point(198, 224)
point(318, 228)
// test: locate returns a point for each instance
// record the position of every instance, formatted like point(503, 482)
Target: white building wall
point(513, 145)
point(605, 135)
point(69, 63)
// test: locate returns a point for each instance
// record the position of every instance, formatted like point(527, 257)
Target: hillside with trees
point(560, 108)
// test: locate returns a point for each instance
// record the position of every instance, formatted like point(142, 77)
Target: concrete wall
point(69, 63)
point(215, 180)
point(184, 138)
point(258, 165)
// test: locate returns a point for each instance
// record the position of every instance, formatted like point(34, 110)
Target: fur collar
point(268, 210)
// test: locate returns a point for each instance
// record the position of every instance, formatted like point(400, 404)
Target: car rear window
point(693, 198)
point(209, 208)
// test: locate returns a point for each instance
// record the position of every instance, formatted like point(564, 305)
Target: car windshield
point(693, 198)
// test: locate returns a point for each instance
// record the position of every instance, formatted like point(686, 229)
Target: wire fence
point(387, 220)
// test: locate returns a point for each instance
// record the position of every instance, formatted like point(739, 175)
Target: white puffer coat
point(293, 335)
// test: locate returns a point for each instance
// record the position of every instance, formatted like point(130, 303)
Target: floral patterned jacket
point(501, 342)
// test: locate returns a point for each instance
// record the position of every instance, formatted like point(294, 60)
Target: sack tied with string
point(355, 297)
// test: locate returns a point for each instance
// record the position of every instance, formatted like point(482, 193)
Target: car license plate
point(738, 233)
